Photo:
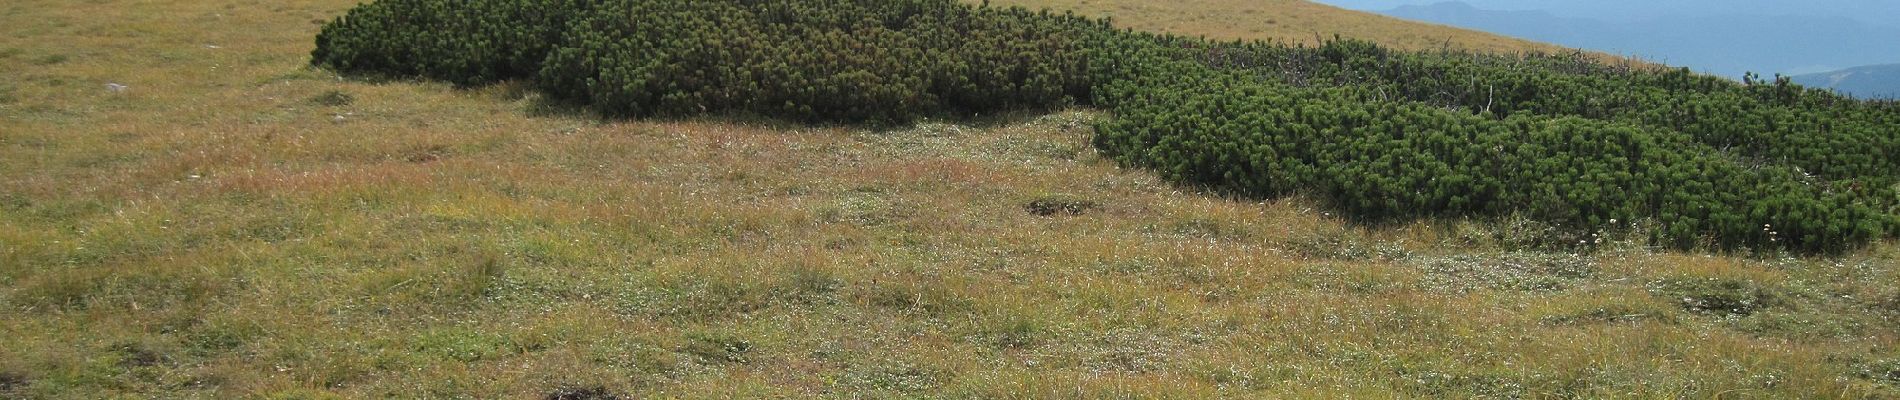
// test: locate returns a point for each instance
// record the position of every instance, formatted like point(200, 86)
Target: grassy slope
point(1284, 21)
point(1293, 22)
point(218, 230)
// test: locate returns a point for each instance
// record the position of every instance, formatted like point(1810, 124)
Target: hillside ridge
point(1298, 22)
point(1873, 81)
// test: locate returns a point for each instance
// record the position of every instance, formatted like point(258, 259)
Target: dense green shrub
point(467, 42)
point(816, 60)
point(1383, 160)
point(1381, 134)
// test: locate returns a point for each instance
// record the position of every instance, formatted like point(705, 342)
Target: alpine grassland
point(1704, 163)
point(565, 199)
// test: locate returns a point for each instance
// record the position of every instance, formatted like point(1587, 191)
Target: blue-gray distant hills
point(1876, 81)
point(1726, 45)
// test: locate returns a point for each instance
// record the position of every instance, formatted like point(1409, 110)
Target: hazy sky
point(1882, 12)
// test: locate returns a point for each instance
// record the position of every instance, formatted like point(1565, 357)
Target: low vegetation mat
point(1689, 161)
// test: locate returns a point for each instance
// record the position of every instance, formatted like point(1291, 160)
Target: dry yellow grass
point(228, 226)
point(1283, 21)
point(1294, 22)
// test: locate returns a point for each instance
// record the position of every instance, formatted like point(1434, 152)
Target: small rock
point(338, 119)
point(116, 88)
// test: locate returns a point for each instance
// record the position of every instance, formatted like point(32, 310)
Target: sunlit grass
point(216, 230)
point(1294, 22)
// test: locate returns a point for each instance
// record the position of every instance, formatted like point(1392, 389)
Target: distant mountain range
point(1877, 81)
point(1726, 45)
